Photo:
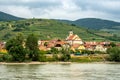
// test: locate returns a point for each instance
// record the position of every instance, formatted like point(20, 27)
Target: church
point(73, 39)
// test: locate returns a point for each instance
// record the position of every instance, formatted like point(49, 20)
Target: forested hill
point(94, 23)
point(8, 17)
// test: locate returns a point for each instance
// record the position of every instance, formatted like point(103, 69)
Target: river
point(52, 71)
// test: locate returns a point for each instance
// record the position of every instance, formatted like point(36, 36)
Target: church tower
point(73, 39)
point(70, 33)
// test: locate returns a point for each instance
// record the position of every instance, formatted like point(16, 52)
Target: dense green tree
point(65, 54)
point(7, 57)
point(114, 53)
point(16, 49)
point(32, 47)
point(54, 52)
point(42, 56)
point(112, 44)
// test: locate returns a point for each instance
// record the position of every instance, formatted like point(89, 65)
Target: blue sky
point(63, 9)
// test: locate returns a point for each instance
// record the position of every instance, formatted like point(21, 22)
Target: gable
point(73, 37)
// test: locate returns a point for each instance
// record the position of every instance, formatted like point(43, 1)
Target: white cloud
point(19, 11)
point(63, 9)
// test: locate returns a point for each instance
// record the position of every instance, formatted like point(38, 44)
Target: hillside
point(94, 23)
point(97, 24)
point(46, 29)
point(8, 17)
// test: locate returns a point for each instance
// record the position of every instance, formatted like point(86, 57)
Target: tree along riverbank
point(74, 58)
point(26, 50)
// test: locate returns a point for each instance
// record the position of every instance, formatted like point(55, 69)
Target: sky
point(63, 9)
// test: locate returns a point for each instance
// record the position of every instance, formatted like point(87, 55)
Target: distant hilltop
point(94, 23)
point(90, 23)
point(8, 17)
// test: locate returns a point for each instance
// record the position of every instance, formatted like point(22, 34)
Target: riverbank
point(35, 62)
point(18, 63)
point(98, 59)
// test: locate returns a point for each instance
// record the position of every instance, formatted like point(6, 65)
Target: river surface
point(52, 71)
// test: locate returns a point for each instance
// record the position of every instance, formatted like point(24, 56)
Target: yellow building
point(3, 51)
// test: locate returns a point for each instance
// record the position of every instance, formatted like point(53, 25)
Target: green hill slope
point(8, 17)
point(99, 25)
point(94, 23)
point(44, 28)
point(50, 29)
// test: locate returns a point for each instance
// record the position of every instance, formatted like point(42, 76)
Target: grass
point(74, 58)
point(83, 59)
point(86, 59)
point(89, 58)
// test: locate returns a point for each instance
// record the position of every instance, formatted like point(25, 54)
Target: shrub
point(87, 52)
point(65, 55)
point(54, 52)
point(42, 56)
point(114, 54)
point(18, 53)
point(1, 58)
point(55, 57)
point(7, 58)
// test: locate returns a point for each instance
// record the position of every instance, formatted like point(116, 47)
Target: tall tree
point(16, 49)
point(114, 53)
point(65, 54)
point(32, 46)
point(54, 52)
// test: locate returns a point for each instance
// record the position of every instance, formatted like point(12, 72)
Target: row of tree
point(21, 49)
point(114, 54)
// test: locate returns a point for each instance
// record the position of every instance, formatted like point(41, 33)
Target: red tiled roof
point(50, 45)
point(104, 43)
point(60, 42)
point(91, 43)
point(71, 37)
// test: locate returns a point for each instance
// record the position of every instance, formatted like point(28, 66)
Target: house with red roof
point(96, 46)
point(47, 45)
point(90, 45)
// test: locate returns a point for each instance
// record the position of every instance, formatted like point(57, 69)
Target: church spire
point(70, 33)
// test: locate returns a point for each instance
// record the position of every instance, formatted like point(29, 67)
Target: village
point(73, 42)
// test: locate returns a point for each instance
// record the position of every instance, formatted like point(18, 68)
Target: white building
point(73, 39)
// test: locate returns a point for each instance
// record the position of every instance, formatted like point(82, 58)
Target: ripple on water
point(73, 71)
